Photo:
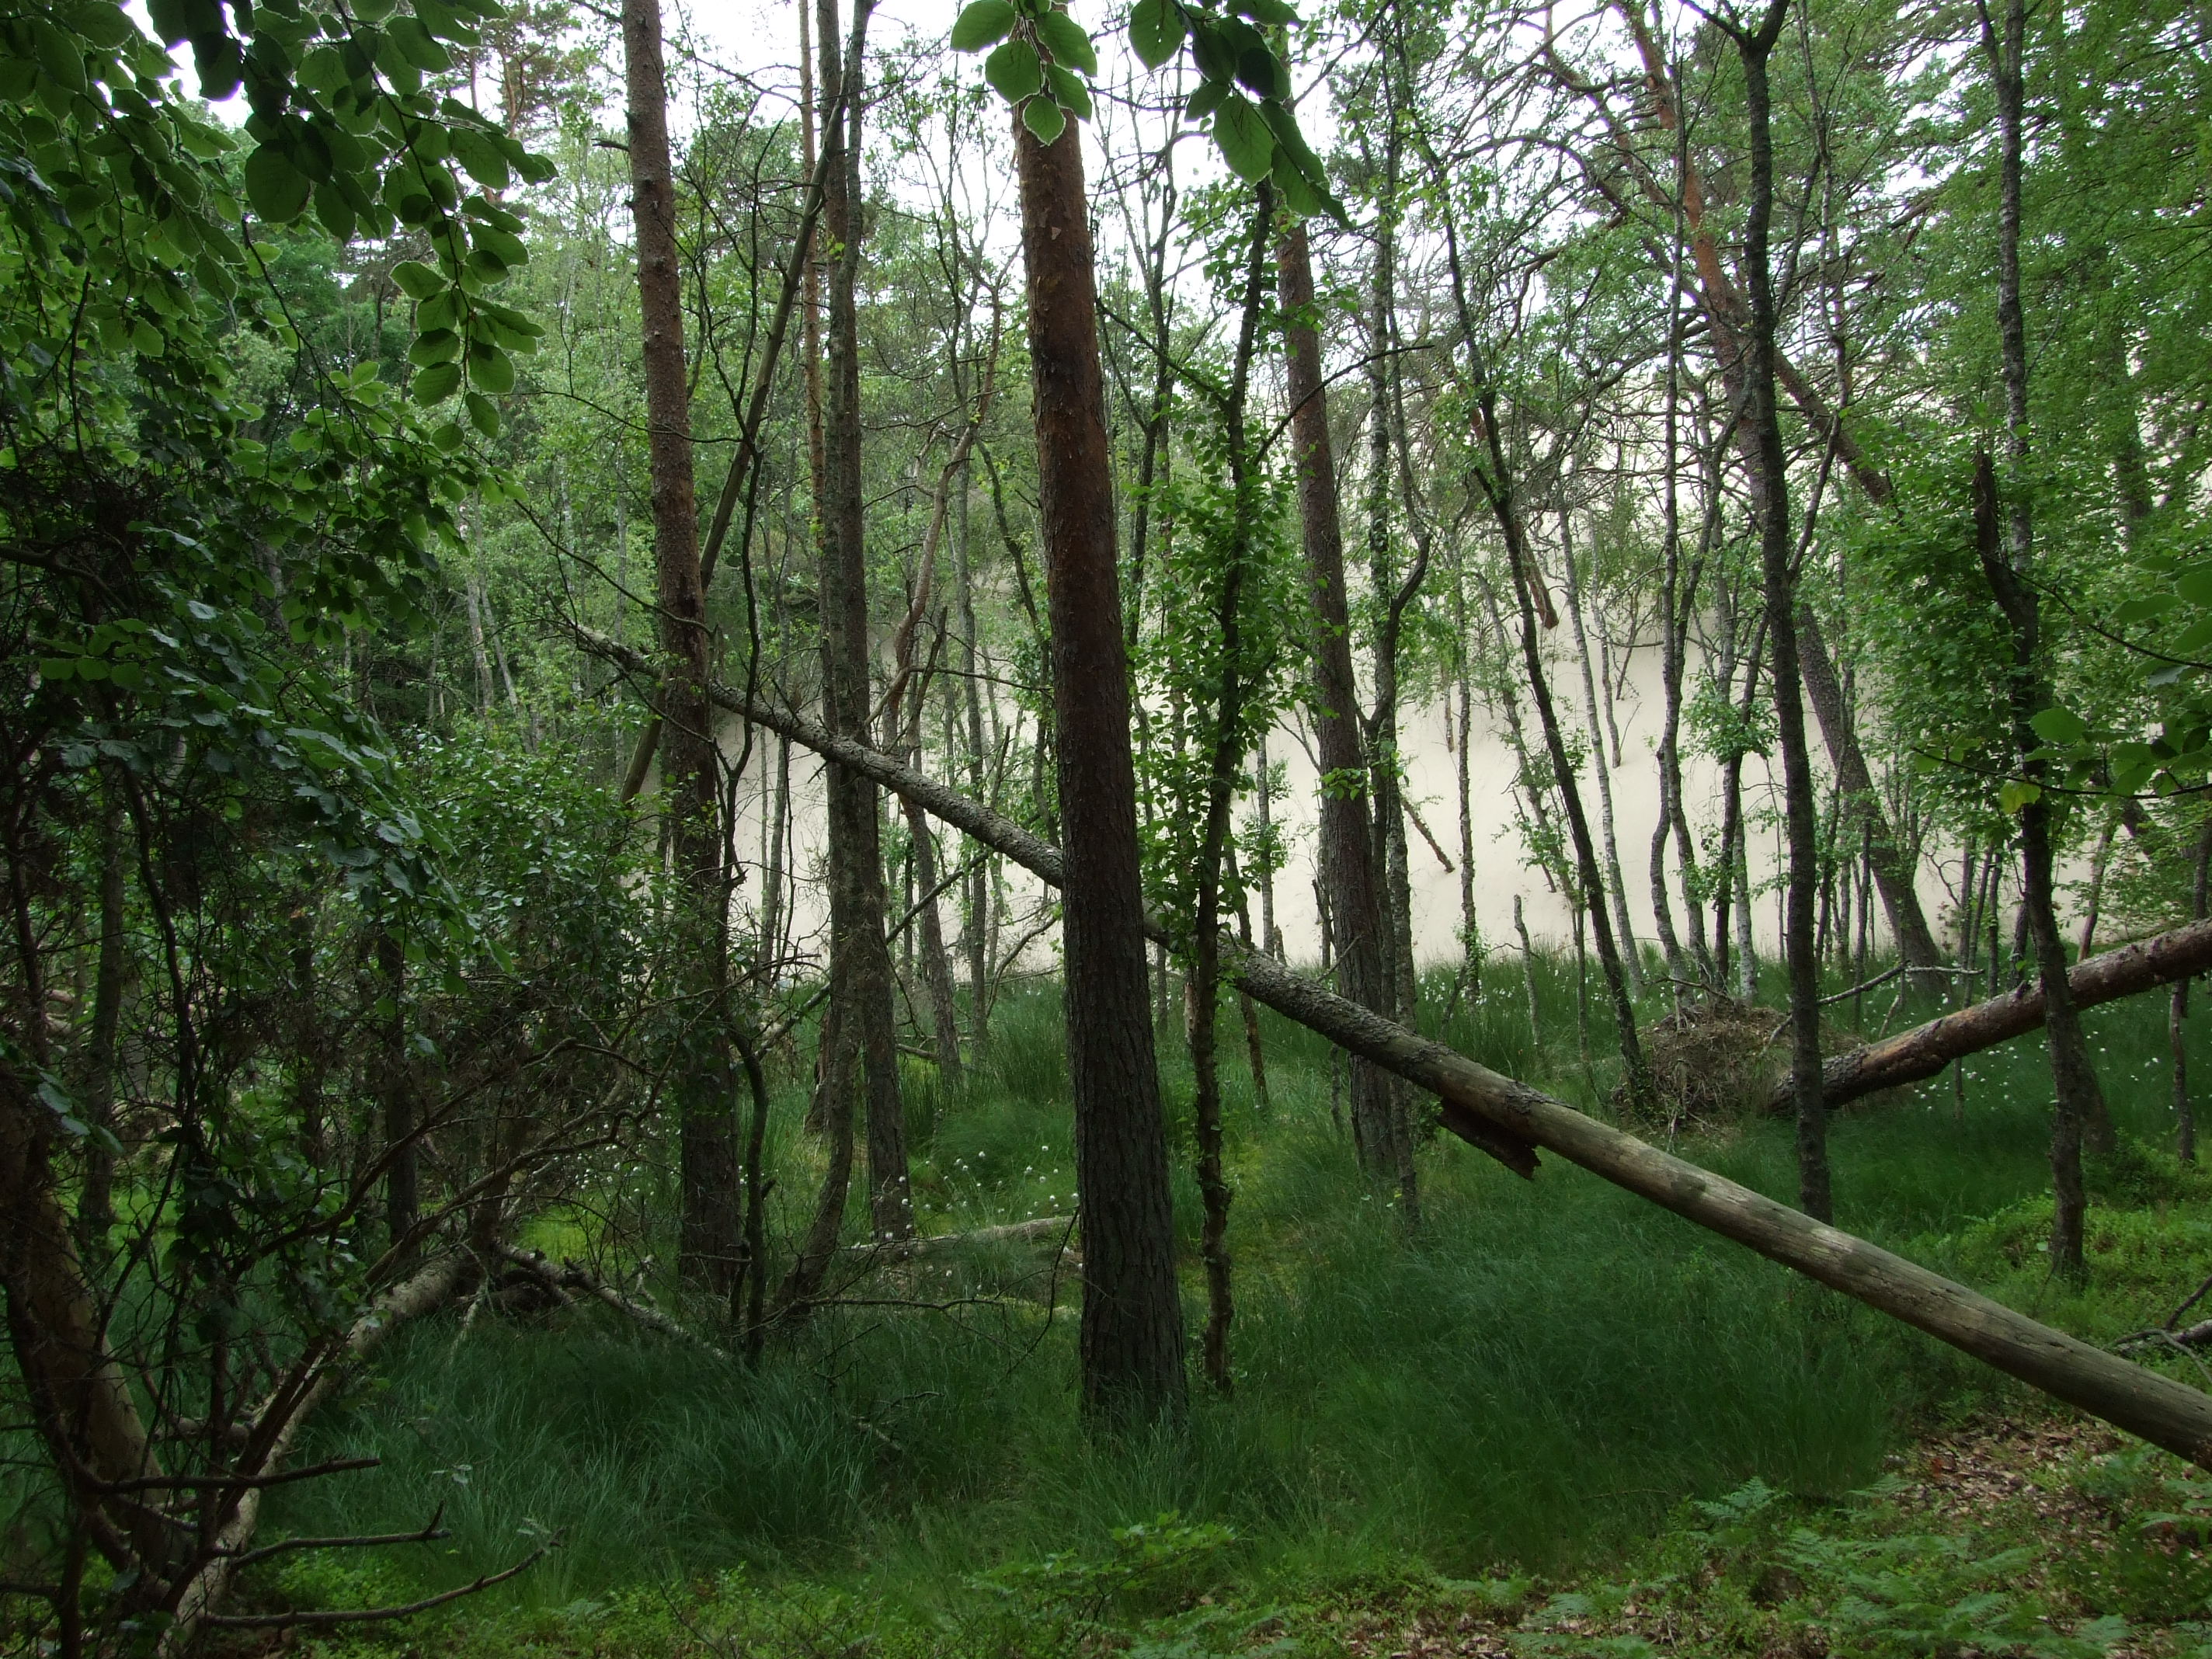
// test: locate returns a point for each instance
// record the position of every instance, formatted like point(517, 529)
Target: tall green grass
point(1535, 1377)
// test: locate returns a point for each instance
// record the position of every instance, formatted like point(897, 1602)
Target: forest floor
point(1549, 1421)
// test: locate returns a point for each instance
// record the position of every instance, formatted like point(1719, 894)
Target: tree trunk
point(2185, 1115)
point(1616, 888)
point(1770, 501)
point(1346, 830)
point(395, 1088)
point(690, 766)
point(1132, 1339)
point(2170, 958)
point(861, 979)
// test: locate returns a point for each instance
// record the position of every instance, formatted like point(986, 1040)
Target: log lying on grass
point(1509, 1121)
point(1920, 1053)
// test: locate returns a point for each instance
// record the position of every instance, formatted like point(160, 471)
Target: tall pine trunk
point(1132, 1338)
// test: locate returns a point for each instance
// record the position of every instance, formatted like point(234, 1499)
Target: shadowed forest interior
point(1196, 828)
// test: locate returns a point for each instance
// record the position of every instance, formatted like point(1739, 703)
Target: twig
point(366, 1615)
point(430, 1534)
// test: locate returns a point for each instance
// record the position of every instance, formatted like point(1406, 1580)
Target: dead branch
point(316, 1616)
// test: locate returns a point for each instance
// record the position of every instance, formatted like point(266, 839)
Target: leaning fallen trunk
point(1509, 1121)
point(1925, 1050)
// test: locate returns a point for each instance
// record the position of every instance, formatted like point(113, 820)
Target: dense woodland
point(822, 836)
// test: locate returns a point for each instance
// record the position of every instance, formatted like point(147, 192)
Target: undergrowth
point(1526, 1392)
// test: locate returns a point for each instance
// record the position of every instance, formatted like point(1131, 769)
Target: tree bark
point(1132, 1338)
point(1346, 830)
point(861, 979)
point(1616, 888)
point(2167, 958)
point(690, 766)
point(1771, 504)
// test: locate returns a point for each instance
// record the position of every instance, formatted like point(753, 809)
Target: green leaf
point(981, 24)
point(490, 369)
point(436, 384)
point(440, 345)
point(1068, 91)
point(1258, 68)
point(277, 190)
point(1215, 56)
point(1045, 119)
point(1156, 31)
point(483, 414)
point(1207, 98)
point(2059, 725)
point(417, 280)
point(1272, 14)
point(2142, 610)
point(419, 49)
point(2195, 584)
point(1297, 195)
point(59, 57)
point(1015, 70)
point(2016, 794)
point(477, 153)
point(1065, 39)
point(1245, 143)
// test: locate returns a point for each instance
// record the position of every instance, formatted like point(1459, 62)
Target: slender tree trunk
point(95, 1204)
point(2185, 1115)
point(1346, 831)
point(2098, 861)
point(1616, 888)
point(395, 1088)
point(862, 981)
point(1777, 545)
point(1132, 1340)
point(689, 768)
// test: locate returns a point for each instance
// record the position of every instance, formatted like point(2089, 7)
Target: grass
point(1534, 1383)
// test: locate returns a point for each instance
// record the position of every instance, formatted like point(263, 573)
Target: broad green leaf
point(477, 153)
point(2195, 584)
point(277, 190)
point(2016, 794)
point(1215, 57)
point(417, 280)
point(1272, 13)
point(490, 369)
point(1259, 69)
point(1156, 31)
point(483, 414)
point(1245, 143)
point(1064, 38)
point(1068, 91)
point(2142, 610)
point(1015, 70)
point(982, 25)
point(1207, 98)
point(436, 384)
point(440, 345)
point(1045, 119)
point(2059, 725)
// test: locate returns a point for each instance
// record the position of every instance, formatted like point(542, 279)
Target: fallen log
point(1925, 1050)
point(1509, 1121)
